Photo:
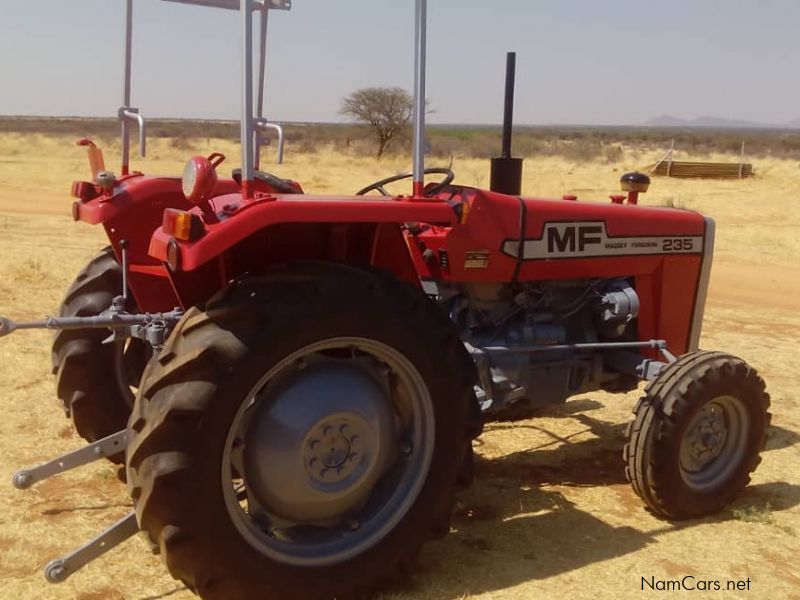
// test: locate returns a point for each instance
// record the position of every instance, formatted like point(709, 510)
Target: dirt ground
point(550, 514)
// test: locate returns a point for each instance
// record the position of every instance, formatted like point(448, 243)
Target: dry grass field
point(550, 514)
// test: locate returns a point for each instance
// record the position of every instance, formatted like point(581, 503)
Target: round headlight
point(189, 178)
point(200, 177)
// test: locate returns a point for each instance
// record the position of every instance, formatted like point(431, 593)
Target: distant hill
point(717, 123)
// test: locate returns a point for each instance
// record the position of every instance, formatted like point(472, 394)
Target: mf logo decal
point(568, 238)
point(580, 240)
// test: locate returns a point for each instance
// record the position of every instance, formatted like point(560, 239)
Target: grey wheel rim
point(328, 452)
point(714, 443)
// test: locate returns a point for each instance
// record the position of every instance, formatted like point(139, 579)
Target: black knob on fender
point(634, 182)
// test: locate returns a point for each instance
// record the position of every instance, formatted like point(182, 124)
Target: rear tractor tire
point(697, 435)
point(303, 435)
point(95, 381)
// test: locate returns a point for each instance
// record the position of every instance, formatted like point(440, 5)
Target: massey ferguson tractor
point(293, 381)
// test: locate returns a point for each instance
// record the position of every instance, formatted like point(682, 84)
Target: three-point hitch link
point(58, 570)
point(154, 329)
point(108, 446)
point(151, 327)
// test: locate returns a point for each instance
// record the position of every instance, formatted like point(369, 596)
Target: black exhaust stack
point(506, 172)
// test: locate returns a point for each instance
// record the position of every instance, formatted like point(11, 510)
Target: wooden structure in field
point(699, 170)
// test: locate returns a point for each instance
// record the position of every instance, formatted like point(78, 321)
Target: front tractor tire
point(95, 380)
point(697, 435)
point(303, 435)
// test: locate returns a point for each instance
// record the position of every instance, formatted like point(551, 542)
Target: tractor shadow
point(758, 502)
point(167, 594)
point(779, 438)
point(85, 508)
point(492, 549)
point(562, 460)
point(519, 522)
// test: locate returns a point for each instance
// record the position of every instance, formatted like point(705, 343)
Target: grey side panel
point(702, 286)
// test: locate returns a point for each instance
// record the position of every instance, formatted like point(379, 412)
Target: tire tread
point(667, 401)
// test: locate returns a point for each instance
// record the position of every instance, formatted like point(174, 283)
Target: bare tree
point(387, 110)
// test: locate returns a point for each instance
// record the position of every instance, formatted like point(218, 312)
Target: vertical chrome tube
point(123, 247)
point(419, 95)
point(262, 55)
point(246, 8)
point(262, 73)
point(126, 86)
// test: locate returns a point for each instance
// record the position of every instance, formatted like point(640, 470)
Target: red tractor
point(293, 382)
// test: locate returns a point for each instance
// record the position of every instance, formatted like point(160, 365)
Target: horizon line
point(754, 126)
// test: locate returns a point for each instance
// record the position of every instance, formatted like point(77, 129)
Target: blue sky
point(579, 62)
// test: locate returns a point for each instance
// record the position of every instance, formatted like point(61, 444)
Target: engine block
point(509, 332)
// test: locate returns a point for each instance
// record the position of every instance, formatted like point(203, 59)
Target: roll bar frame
point(253, 127)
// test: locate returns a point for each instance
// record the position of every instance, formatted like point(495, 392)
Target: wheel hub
point(705, 438)
point(318, 442)
point(714, 442)
point(333, 448)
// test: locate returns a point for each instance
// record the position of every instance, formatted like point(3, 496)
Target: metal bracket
point(483, 366)
point(128, 113)
point(260, 124)
point(671, 358)
point(108, 446)
point(60, 569)
point(649, 369)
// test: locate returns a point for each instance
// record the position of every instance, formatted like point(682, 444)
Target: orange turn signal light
point(182, 225)
point(464, 212)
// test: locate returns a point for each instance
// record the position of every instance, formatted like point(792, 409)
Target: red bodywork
point(463, 235)
point(131, 212)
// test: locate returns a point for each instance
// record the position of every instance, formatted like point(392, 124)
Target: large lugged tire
point(303, 435)
point(92, 378)
point(697, 435)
